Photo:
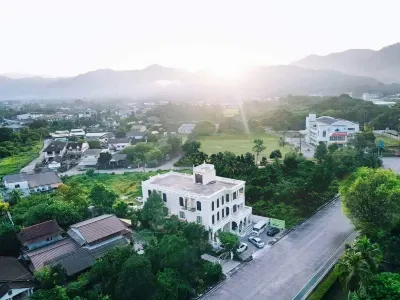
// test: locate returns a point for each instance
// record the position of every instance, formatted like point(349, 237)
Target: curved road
point(281, 271)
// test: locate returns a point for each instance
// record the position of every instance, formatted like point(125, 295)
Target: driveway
point(282, 270)
point(251, 249)
point(30, 168)
point(307, 150)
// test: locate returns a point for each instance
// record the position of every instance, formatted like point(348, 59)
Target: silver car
point(256, 241)
point(242, 247)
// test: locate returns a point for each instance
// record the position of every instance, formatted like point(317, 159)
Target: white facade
point(97, 136)
point(29, 116)
point(369, 97)
point(329, 130)
point(218, 203)
point(62, 135)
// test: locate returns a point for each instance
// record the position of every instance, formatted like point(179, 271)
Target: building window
point(198, 205)
point(17, 186)
point(198, 178)
point(217, 202)
point(181, 215)
point(222, 200)
point(181, 201)
point(164, 197)
point(227, 198)
point(227, 211)
point(149, 191)
point(212, 205)
point(217, 216)
point(324, 133)
point(223, 213)
point(213, 219)
point(241, 191)
point(234, 208)
point(199, 220)
point(234, 195)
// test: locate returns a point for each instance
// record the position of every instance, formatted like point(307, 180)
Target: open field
point(240, 144)
point(127, 186)
point(13, 164)
point(388, 141)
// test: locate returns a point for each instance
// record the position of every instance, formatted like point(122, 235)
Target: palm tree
point(258, 147)
point(353, 270)
point(370, 252)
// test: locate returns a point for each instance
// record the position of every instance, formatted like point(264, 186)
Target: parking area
point(263, 236)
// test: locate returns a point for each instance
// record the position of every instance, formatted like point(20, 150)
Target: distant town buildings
point(186, 128)
point(370, 97)
point(29, 116)
point(329, 130)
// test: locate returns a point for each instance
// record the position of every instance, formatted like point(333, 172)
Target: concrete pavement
point(280, 272)
point(391, 163)
point(30, 168)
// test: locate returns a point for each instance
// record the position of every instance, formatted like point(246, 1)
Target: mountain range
point(355, 71)
point(383, 65)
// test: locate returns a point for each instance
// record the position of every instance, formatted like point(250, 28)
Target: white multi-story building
point(79, 132)
point(370, 97)
point(216, 202)
point(186, 128)
point(329, 130)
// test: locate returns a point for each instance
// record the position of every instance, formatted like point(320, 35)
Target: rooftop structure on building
point(186, 128)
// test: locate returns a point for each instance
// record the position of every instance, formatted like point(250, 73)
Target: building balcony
point(242, 212)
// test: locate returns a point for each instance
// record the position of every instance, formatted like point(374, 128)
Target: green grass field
point(13, 164)
point(239, 144)
point(388, 141)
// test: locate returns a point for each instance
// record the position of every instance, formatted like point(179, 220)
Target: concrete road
point(30, 168)
point(167, 166)
point(307, 150)
point(280, 272)
point(391, 163)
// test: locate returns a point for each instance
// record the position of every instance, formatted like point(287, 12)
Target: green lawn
point(239, 144)
point(15, 163)
point(127, 186)
point(388, 141)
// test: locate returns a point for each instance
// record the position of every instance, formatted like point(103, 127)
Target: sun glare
point(226, 70)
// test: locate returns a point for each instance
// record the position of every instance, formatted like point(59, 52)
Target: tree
point(75, 195)
point(353, 270)
point(102, 198)
point(204, 128)
point(105, 272)
point(9, 243)
point(172, 286)
point(120, 208)
point(191, 147)
point(153, 211)
point(49, 277)
point(176, 144)
point(321, 151)
point(371, 199)
point(358, 264)
point(385, 286)
point(140, 151)
point(90, 172)
point(258, 147)
point(332, 148)
point(212, 272)
point(275, 154)
point(4, 207)
point(136, 280)
point(104, 158)
point(154, 155)
point(56, 293)
point(229, 240)
point(121, 133)
point(94, 144)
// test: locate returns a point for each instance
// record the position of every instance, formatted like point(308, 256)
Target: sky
point(66, 38)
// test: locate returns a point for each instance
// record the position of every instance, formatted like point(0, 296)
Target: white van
point(259, 228)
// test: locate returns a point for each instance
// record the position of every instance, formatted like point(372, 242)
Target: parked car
point(272, 231)
point(242, 247)
point(81, 169)
point(256, 241)
point(139, 199)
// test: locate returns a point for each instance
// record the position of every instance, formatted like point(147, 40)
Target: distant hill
point(176, 84)
point(384, 65)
